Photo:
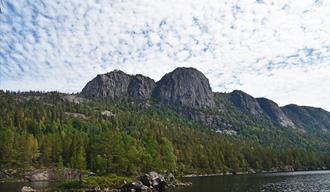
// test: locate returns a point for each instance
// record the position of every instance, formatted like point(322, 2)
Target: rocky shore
point(148, 182)
point(41, 174)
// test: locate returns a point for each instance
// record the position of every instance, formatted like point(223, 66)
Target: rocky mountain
point(275, 112)
point(187, 91)
point(186, 87)
point(308, 117)
point(245, 102)
point(118, 84)
point(43, 129)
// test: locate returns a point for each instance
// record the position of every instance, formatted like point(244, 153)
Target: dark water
point(305, 181)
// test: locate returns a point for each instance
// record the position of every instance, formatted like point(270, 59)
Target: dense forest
point(54, 129)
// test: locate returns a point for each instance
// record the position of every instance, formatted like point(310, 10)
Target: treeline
point(52, 129)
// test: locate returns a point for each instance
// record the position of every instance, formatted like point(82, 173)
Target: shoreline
point(182, 183)
point(248, 173)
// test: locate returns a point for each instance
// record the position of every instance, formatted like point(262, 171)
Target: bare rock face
point(215, 121)
point(112, 85)
point(275, 112)
point(184, 87)
point(27, 189)
point(141, 87)
point(308, 117)
point(118, 84)
point(188, 92)
point(52, 174)
point(245, 102)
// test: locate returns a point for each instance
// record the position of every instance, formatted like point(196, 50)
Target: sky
point(277, 49)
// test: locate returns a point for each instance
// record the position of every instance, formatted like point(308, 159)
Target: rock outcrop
point(117, 84)
point(141, 87)
point(27, 189)
point(271, 109)
point(308, 117)
point(52, 174)
point(184, 87)
point(245, 102)
point(188, 92)
point(185, 90)
point(42, 174)
point(212, 120)
point(152, 182)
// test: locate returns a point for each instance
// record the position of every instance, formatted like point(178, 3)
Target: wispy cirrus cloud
point(278, 49)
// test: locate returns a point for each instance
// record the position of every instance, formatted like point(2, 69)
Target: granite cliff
point(187, 91)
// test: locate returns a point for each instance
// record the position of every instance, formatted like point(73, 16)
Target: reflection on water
point(15, 187)
point(305, 181)
point(301, 182)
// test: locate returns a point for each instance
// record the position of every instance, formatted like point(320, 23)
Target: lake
point(304, 181)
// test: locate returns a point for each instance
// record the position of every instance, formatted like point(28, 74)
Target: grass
point(108, 181)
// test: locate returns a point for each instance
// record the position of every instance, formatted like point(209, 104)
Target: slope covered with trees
point(105, 136)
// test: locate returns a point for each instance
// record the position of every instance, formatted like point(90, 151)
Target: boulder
point(134, 186)
point(108, 113)
point(96, 189)
point(153, 180)
point(185, 184)
point(27, 189)
point(170, 180)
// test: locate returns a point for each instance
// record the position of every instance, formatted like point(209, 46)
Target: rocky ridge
point(117, 84)
point(275, 112)
point(308, 117)
point(187, 91)
point(245, 102)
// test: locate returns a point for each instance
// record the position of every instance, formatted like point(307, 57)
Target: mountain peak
point(185, 87)
point(274, 112)
point(308, 117)
point(245, 102)
point(187, 90)
point(117, 84)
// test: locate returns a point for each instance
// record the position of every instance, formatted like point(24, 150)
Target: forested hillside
point(125, 137)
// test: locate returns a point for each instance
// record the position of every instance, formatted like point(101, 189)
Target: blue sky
point(276, 49)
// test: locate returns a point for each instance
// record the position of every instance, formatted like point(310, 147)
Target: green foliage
point(109, 181)
point(45, 129)
point(169, 158)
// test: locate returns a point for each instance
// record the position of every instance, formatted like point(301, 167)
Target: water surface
point(304, 181)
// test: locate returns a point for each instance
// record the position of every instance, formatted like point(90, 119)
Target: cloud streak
point(278, 49)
